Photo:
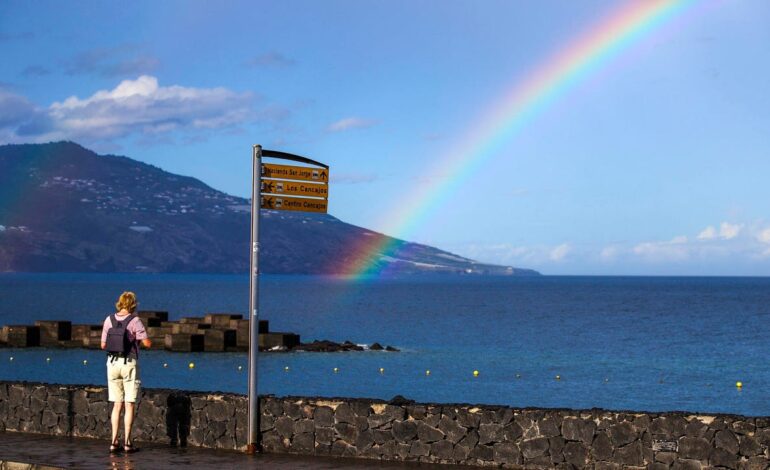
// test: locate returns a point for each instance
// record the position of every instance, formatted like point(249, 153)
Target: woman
point(121, 335)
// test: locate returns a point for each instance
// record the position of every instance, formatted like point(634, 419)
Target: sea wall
point(399, 430)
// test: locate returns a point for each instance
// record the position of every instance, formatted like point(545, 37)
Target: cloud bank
point(706, 252)
point(139, 107)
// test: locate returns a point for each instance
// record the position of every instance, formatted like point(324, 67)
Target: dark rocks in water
point(330, 346)
point(399, 400)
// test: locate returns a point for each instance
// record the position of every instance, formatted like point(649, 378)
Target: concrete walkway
point(42, 452)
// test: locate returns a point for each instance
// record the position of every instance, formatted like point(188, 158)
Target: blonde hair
point(127, 300)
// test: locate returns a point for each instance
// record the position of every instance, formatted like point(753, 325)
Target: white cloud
point(559, 252)
point(764, 236)
point(349, 123)
point(708, 233)
point(142, 107)
point(674, 249)
point(609, 253)
point(729, 231)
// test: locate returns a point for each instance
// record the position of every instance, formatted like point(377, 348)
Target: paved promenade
point(47, 452)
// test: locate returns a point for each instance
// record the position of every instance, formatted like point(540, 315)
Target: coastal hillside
point(63, 208)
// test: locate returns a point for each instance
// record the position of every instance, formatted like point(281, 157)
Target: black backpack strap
point(113, 320)
point(130, 318)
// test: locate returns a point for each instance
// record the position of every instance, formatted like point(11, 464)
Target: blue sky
point(655, 164)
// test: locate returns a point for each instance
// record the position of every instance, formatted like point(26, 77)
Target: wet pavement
point(49, 452)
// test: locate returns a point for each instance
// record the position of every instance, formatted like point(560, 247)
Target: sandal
point(130, 448)
point(115, 448)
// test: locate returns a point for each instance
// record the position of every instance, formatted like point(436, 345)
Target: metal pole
point(256, 173)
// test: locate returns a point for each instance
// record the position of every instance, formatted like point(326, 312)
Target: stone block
point(80, 332)
point(577, 429)
point(221, 320)
point(630, 454)
point(22, 336)
point(687, 464)
point(241, 324)
point(405, 431)
point(695, 448)
point(278, 340)
point(726, 440)
point(93, 340)
point(534, 447)
point(51, 332)
point(723, 458)
point(218, 340)
point(602, 447)
point(750, 446)
point(622, 434)
point(152, 317)
point(429, 434)
point(158, 330)
point(184, 342)
point(189, 328)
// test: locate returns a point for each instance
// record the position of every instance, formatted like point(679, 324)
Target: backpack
point(118, 343)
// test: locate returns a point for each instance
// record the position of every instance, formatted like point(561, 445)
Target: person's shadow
point(178, 413)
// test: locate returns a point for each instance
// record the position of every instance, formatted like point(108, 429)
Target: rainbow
point(527, 99)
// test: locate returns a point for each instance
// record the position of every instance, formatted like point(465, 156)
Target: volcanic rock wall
point(401, 430)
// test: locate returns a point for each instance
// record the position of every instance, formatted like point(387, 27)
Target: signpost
point(275, 181)
point(294, 204)
point(295, 188)
point(270, 170)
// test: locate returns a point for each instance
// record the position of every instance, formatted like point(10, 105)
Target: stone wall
point(399, 430)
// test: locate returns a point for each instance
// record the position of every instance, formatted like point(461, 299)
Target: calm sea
point(636, 343)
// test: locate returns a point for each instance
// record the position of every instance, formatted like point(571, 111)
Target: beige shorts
point(123, 380)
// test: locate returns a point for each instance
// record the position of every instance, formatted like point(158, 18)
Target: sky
point(655, 162)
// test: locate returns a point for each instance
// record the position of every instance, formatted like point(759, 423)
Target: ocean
point(624, 343)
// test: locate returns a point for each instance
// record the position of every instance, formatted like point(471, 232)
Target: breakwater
point(479, 435)
point(214, 332)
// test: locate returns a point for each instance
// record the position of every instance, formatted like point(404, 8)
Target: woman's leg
point(116, 407)
point(128, 421)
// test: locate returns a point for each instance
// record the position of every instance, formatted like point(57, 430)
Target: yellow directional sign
point(289, 172)
point(295, 188)
point(282, 203)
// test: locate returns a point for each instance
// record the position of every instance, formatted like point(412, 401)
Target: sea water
point(632, 343)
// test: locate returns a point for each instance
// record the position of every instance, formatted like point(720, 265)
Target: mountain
point(63, 208)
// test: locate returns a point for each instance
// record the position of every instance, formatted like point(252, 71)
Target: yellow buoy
point(382, 369)
point(475, 373)
point(336, 370)
point(191, 365)
point(739, 384)
point(427, 372)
